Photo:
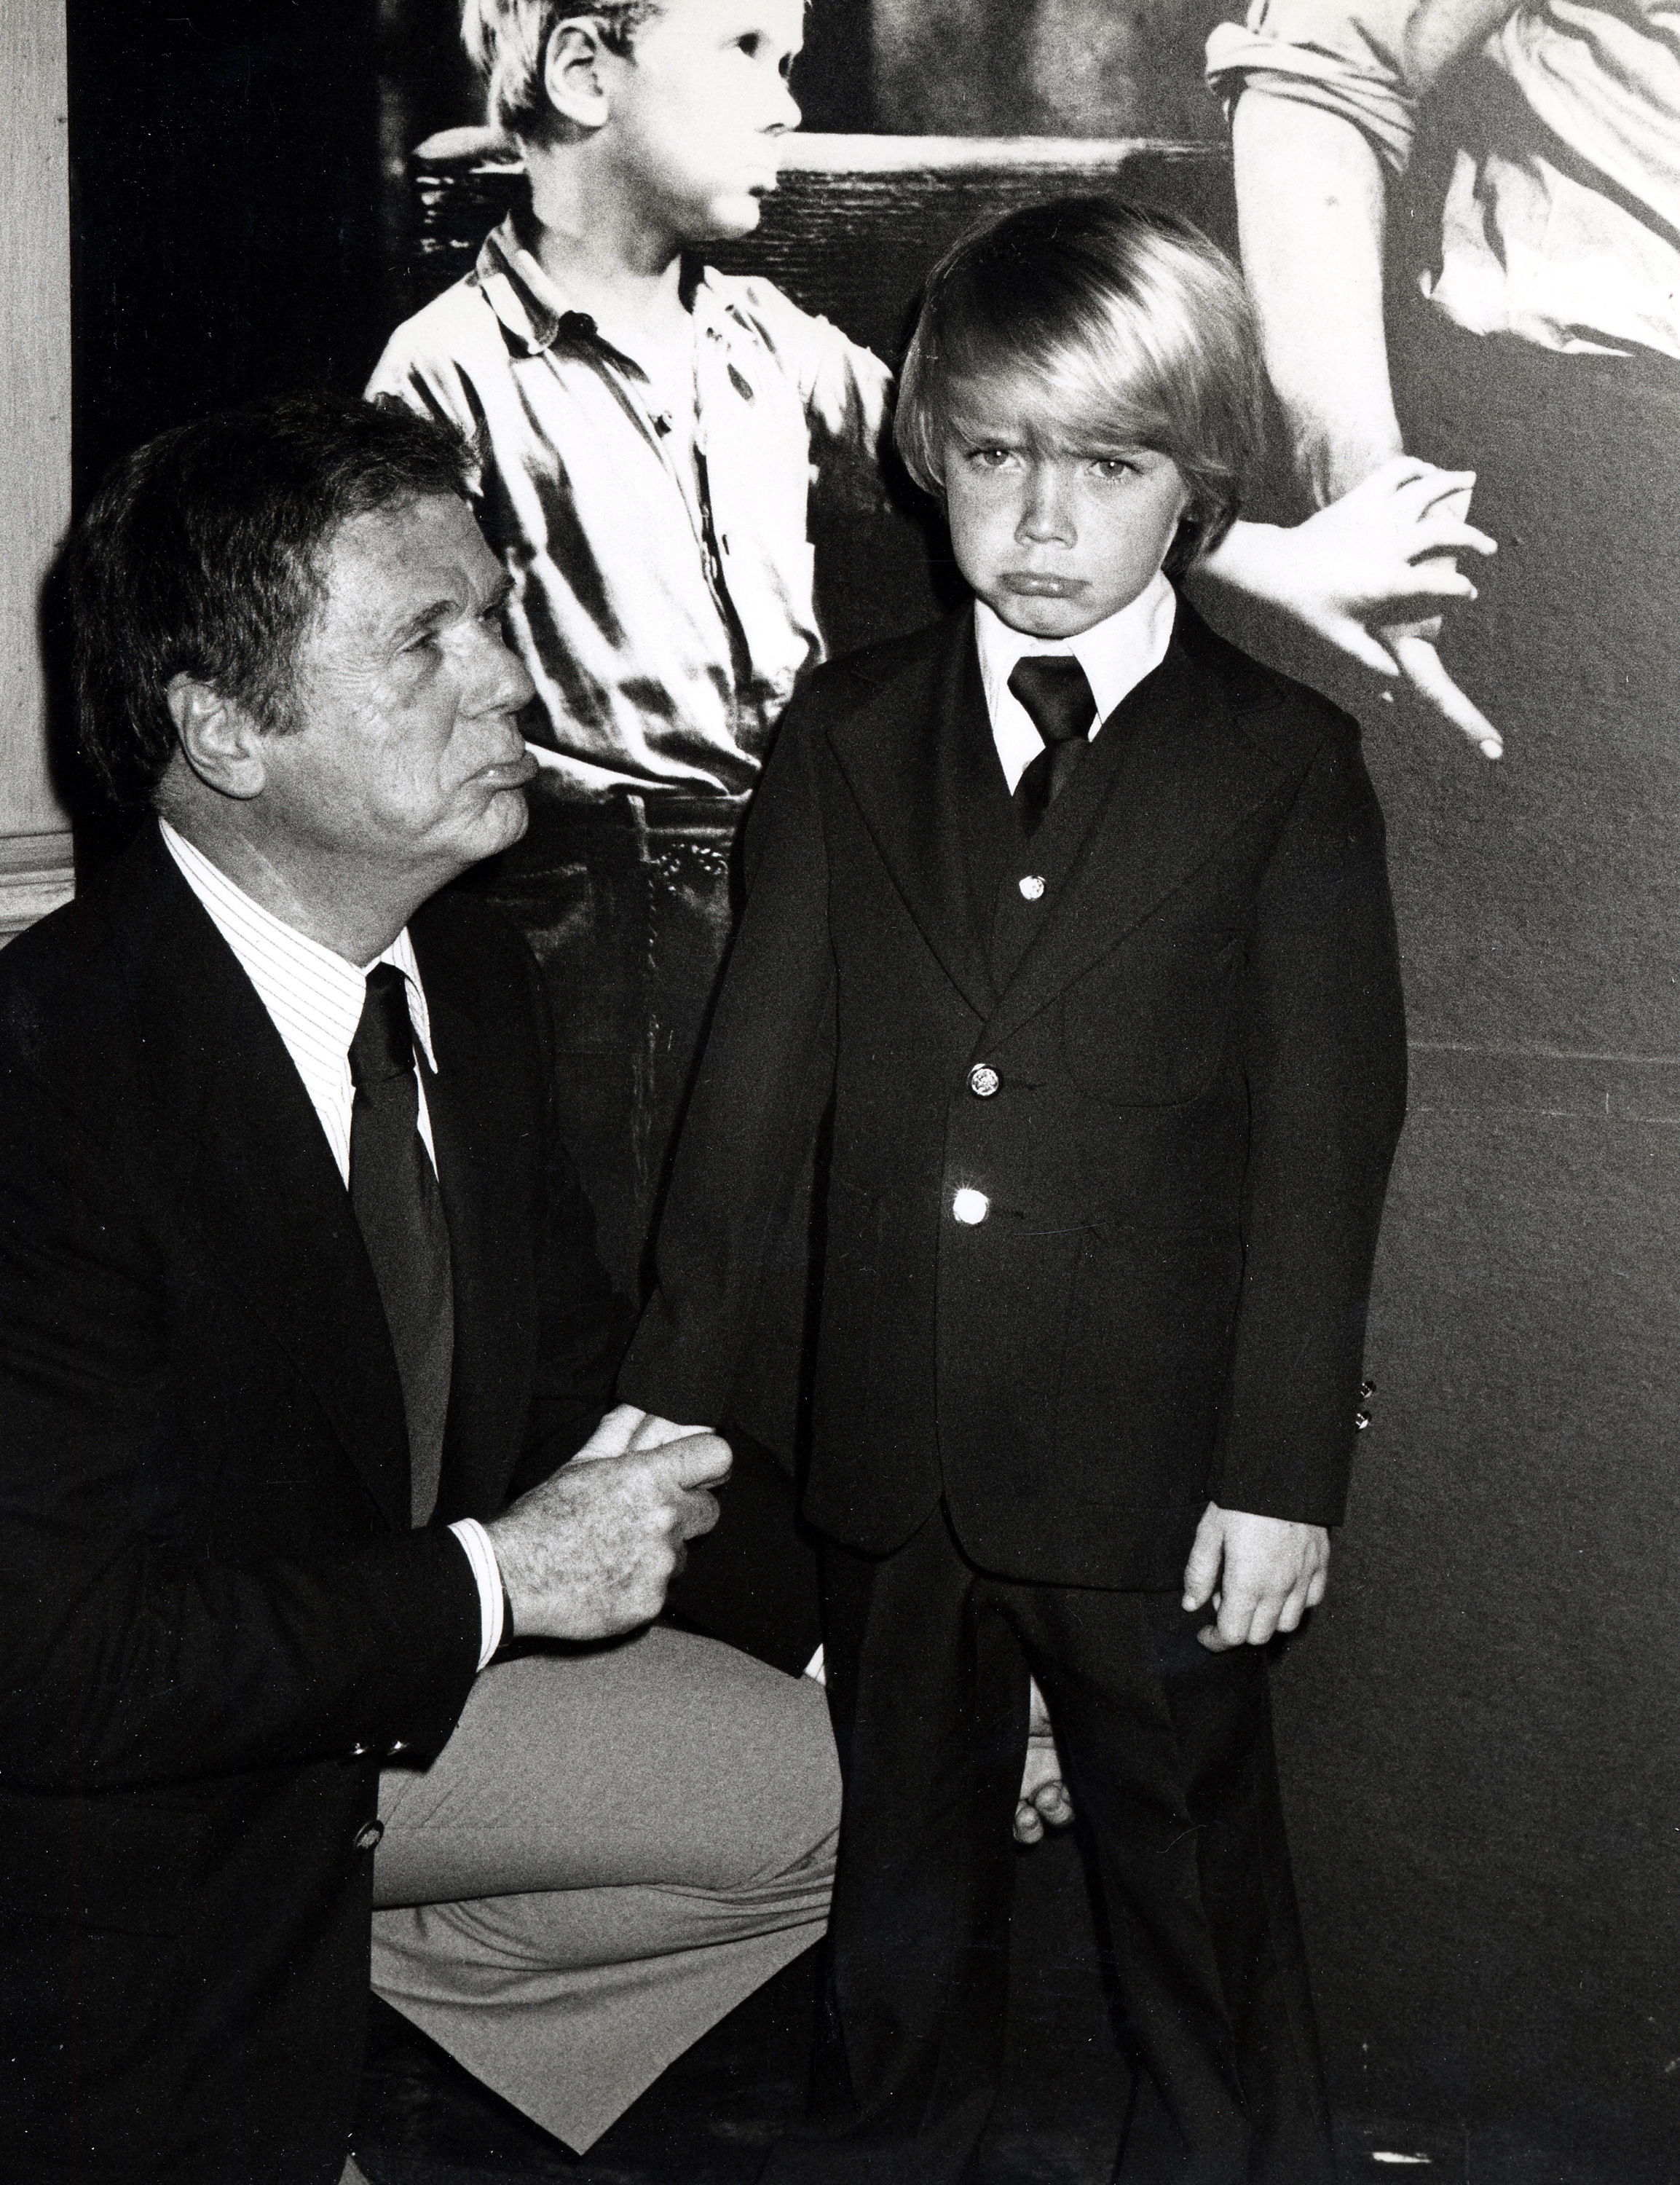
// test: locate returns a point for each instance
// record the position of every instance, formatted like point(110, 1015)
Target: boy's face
point(697, 108)
point(1053, 540)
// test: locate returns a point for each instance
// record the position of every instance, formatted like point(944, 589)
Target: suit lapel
point(919, 772)
point(495, 1326)
point(1183, 778)
point(232, 1125)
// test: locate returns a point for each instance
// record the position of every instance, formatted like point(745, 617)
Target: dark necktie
point(1052, 687)
point(400, 1210)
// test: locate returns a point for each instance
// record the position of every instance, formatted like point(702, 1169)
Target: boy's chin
point(728, 218)
point(1036, 616)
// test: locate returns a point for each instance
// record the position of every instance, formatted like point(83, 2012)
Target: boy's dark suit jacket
point(1197, 1038)
point(214, 1621)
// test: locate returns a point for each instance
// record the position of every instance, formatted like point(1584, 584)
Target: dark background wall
point(1481, 1729)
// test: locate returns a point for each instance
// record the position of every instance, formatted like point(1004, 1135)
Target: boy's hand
point(1365, 573)
point(1044, 1799)
point(1262, 1574)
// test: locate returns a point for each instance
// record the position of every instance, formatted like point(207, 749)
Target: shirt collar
point(535, 308)
point(1116, 654)
point(312, 994)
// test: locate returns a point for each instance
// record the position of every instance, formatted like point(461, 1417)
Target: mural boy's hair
point(506, 41)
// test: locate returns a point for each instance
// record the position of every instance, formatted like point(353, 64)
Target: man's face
point(1055, 541)
point(697, 110)
point(410, 765)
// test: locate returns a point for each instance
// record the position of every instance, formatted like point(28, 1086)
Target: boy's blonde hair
point(1108, 325)
point(506, 39)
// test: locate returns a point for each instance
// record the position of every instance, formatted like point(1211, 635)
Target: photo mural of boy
point(1076, 921)
point(650, 429)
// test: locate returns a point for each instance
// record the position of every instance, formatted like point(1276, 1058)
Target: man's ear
point(218, 738)
point(575, 76)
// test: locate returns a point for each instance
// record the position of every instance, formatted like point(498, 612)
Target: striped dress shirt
point(314, 999)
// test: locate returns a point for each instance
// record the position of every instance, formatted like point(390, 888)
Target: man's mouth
point(509, 772)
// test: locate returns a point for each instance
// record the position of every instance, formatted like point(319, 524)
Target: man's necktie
point(395, 1196)
point(1052, 687)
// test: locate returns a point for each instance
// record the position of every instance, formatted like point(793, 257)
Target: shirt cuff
point(488, 1573)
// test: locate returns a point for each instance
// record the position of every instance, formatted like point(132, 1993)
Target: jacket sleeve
point(756, 1111)
point(129, 1654)
point(1323, 1033)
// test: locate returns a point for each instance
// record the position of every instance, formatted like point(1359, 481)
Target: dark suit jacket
point(214, 1622)
point(1197, 1035)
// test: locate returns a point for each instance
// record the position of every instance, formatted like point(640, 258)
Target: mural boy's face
point(1055, 540)
point(697, 108)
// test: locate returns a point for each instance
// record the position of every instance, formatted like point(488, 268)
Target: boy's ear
point(575, 76)
point(218, 739)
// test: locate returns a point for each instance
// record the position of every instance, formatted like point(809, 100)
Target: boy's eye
point(1113, 467)
point(989, 459)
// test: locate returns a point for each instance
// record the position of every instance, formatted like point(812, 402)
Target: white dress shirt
point(1115, 654)
point(314, 999)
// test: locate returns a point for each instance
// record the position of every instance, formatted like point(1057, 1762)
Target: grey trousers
point(615, 1846)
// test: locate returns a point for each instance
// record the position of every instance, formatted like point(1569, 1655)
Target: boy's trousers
point(1168, 1752)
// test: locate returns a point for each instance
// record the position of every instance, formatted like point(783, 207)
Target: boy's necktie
point(400, 1210)
point(1052, 688)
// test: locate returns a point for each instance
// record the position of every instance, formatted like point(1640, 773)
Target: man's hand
point(1044, 1799)
point(1262, 1574)
point(591, 1551)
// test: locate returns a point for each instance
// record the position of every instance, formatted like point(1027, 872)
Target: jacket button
point(358, 1751)
point(983, 1080)
point(1032, 886)
point(368, 1837)
point(970, 1208)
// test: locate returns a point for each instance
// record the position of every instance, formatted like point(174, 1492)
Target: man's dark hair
point(203, 553)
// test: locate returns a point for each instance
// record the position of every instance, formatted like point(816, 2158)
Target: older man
point(300, 1320)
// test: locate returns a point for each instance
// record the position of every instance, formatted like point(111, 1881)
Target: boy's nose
point(785, 114)
point(1046, 512)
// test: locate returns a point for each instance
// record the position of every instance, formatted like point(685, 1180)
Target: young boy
point(649, 428)
point(1073, 924)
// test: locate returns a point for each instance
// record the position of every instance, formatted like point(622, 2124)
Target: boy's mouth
point(1039, 584)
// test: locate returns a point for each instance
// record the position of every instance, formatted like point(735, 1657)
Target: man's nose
point(1046, 517)
point(500, 682)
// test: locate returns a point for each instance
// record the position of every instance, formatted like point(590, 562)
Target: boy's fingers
point(1445, 534)
point(698, 1459)
point(612, 1437)
point(1352, 638)
point(1295, 1607)
point(1029, 1826)
point(1421, 665)
point(654, 1432)
point(1201, 1571)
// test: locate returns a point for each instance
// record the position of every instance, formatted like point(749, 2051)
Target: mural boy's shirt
point(662, 583)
